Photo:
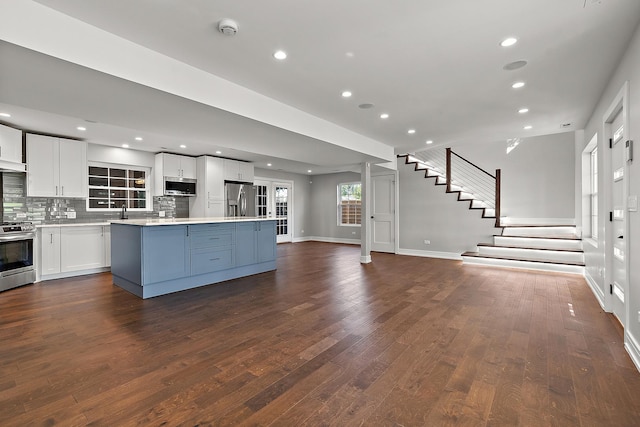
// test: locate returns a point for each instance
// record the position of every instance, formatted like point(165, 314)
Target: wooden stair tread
point(523, 259)
point(493, 245)
point(551, 237)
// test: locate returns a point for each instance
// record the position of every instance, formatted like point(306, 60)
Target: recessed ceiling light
point(509, 41)
point(517, 85)
point(5, 114)
point(125, 145)
point(309, 171)
point(349, 54)
point(523, 110)
point(384, 116)
point(346, 94)
point(365, 106)
point(428, 142)
point(280, 54)
point(81, 128)
point(183, 146)
point(218, 152)
point(411, 131)
point(269, 164)
point(527, 127)
point(138, 138)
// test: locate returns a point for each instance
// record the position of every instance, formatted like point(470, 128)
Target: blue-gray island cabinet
point(156, 257)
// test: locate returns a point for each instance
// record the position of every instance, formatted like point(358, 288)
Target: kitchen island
point(152, 257)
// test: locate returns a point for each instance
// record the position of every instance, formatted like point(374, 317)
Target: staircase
point(536, 247)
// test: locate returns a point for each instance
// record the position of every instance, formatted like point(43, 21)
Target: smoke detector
point(228, 27)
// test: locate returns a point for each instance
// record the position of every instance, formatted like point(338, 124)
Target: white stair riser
point(532, 253)
point(538, 243)
point(524, 265)
point(539, 231)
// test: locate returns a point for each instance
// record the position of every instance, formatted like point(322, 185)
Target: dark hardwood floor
point(403, 341)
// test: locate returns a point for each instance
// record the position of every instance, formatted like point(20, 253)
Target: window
point(114, 186)
point(594, 192)
point(349, 203)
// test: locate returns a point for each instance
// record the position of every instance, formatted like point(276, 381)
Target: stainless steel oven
point(16, 255)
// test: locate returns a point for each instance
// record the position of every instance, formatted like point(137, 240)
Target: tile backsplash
point(18, 207)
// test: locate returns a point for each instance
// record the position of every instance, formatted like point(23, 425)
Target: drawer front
point(208, 261)
point(202, 238)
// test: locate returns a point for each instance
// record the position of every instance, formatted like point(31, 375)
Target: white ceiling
point(433, 65)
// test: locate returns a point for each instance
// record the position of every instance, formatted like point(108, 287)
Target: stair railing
point(464, 175)
point(474, 180)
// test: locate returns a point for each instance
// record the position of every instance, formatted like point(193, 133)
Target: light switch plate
point(71, 214)
point(632, 203)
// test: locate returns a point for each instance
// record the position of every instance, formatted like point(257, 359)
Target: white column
point(365, 221)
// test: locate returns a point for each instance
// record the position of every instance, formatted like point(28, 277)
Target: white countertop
point(157, 221)
point(144, 222)
point(72, 224)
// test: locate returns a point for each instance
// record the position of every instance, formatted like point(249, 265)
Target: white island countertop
point(146, 222)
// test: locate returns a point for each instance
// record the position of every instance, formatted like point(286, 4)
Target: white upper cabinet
point(56, 167)
point(10, 144)
point(209, 201)
point(238, 171)
point(175, 165)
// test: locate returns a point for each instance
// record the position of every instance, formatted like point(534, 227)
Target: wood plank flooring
point(324, 340)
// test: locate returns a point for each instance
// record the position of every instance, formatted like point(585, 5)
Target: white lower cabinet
point(73, 249)
point(81, 248)
point(49, 251)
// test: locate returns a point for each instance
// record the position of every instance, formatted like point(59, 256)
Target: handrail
point(475, 166)
point(465, 176)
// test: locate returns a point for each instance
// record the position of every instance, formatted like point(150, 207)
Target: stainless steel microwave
point(175, 186)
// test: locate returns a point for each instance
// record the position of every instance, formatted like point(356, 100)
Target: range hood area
point(11, 157)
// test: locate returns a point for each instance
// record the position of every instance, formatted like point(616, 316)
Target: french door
point(274, 200)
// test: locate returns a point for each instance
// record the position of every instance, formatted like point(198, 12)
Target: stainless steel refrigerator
point(240, 199)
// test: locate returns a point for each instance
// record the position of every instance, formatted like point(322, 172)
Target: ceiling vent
point(228, 27)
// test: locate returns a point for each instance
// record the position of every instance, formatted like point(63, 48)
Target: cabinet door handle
point(214, 259)
point(51, 238)
point(62, 190)
point(214, 238)
point(56, 190)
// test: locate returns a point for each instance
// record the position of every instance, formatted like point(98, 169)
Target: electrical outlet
point(353, 232)
point(71, 214)
point(427, 242)
point(301, 231)
point(161, 214)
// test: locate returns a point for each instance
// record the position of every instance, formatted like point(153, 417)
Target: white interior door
point(383, 213)
point(274, 200)
point(618, 235)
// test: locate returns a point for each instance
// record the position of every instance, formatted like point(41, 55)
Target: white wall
point(121, 156)
point(628, 71)
point(427, 212)
point(537, 176)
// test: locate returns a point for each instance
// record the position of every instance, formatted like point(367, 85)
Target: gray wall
point(301, 201)
point(427, 212)
point(324, 207)
point(537, 176)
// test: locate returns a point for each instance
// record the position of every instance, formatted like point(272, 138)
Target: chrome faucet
point(123, 212)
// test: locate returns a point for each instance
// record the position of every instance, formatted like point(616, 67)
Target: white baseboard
point(327, 240)
point(430, 254)
point(537, 221)
point(595, 289)
point(633, 348)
